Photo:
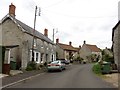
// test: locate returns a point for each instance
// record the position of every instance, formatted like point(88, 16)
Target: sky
point(72, 20)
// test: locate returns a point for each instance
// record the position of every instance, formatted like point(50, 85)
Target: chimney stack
point(46, 32)
point(80, 46)
point(57, 40)
point(70, 43)
point(84, 42)
point(12, 10)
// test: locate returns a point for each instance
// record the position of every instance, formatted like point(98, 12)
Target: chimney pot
point(80, 46)
point(57, 40)
point(70, 43)
point(84, 42)
point(46, 32)
point(12, 10)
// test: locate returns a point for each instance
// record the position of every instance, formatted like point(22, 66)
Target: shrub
point(108, 58)
point(31, 66)
point(97, 68)
point(45, 64)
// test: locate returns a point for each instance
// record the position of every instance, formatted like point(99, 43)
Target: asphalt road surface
point(75, 76)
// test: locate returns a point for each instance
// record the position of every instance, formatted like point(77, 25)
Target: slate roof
point(67, 47)
point(116, 25)
point(93, 48)
point(27, 29)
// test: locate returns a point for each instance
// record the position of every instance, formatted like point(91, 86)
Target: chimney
point(70, 43)
point(84, 42)
point(12, 10)
point(46, 32)
point(57, 40)
point(80, 46)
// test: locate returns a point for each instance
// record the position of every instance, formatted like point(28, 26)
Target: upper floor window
point(35, 42)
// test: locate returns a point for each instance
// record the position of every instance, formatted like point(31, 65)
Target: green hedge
point(97, 68)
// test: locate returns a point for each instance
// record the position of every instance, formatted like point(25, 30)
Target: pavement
point(3, 75)
point(18, 76)
point(112, 78)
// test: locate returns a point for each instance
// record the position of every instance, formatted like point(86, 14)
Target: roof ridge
point(90, 45)
point(67, 47)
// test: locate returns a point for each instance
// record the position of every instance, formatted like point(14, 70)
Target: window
point(42, 56)
point(36, 56)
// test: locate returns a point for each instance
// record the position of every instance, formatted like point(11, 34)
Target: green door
point(2, 54)
point(0, 59)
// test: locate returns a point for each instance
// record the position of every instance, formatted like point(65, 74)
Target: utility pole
point(54, 34)
point(34, 32)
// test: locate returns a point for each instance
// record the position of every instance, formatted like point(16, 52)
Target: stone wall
point(60, 52)
point(116, 43)
point(12, 35)
point(84, 51)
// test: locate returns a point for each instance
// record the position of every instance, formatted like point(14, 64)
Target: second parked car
point(65, 61)
point(56, 65)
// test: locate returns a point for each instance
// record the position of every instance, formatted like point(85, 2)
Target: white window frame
point(37, 61)
point(39, 56)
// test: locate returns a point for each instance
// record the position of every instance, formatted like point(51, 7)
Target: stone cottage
point(17, 37)
point(88, 50)
point(65, 51)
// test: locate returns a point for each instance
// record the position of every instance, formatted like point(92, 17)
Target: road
point(75, 76)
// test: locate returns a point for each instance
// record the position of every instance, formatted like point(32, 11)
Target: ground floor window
point(52, 59)
point(36, 56)
point(42, 54)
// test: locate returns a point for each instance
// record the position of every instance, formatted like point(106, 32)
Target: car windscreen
point(55, 62)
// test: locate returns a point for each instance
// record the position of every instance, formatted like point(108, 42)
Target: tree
point(108, 58)
point(92, 57)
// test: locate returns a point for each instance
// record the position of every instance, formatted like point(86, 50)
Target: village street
point(75, 76)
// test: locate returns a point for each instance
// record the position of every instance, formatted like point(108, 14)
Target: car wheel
point(64, 68)
point(48, 70)
point(60, 69)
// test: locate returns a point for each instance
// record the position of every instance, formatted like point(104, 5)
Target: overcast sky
point(75, 20)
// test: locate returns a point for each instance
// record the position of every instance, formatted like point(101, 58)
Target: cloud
point(76, 20)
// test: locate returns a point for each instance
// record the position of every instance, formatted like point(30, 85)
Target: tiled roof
point(93, 48)
point(67, 47)
point(28, 29)
point(77, 49)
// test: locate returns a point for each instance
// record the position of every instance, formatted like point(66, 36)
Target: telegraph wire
point(72, 16)
point(54, 4)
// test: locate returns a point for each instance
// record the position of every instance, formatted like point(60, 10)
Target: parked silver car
point(56, 65)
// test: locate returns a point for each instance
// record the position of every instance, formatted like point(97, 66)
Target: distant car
point(56, 65)
point(65, 61)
